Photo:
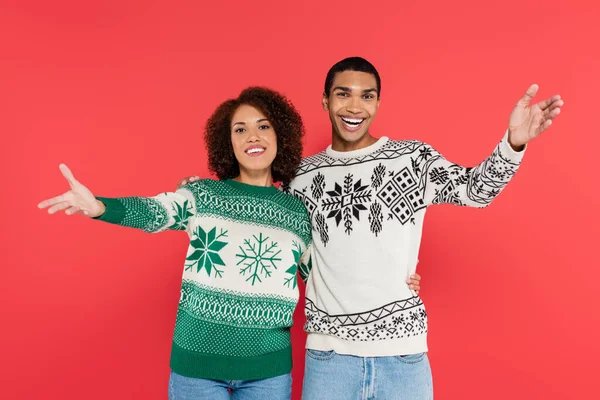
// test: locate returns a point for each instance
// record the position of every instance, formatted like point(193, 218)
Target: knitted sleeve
point(444, 182)
point(171, 210)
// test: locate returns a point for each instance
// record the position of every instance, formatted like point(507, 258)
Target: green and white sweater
point(239, 287)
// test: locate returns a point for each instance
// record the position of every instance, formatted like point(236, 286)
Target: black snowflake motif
point(494, 172)
point(414, 316)
point(318, 185)
point(418, 317)
point(378, 175)
point(398, 320)
point(438, 175)
point(425, 153)
point(347, 202)
point(380, 327)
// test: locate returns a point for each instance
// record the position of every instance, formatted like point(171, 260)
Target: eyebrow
point(347, 89)
point(243, 123)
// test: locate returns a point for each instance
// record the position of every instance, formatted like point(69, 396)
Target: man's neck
point(338, 144)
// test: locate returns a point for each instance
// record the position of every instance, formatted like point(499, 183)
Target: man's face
point(352, 105)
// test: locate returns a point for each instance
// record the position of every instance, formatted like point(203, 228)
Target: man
point(367, 198)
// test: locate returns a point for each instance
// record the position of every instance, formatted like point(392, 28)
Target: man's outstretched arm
point(445, 182)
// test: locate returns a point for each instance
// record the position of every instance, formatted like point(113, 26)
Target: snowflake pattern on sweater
point(367, 209)
point(239, 287)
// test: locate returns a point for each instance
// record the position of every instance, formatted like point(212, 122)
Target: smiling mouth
point(255, 151)
point(352, 124)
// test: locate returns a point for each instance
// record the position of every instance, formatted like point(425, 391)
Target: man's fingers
point(67, 174)
point(550, 102)
point(529, 95)
point(548, 117)
point(187, 180)
point(553, 114)
point(545, 125)
point(552, 110)
point(184, 182)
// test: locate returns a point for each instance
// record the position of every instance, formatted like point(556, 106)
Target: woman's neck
point(255, 178)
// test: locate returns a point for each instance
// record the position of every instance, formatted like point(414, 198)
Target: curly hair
point(286, 122)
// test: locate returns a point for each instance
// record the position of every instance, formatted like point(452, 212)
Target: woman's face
point(254, 140)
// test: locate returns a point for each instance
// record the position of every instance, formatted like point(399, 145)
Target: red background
point(120, 90)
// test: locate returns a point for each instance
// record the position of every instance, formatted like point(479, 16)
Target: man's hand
point(187, 180)
point(528, 121)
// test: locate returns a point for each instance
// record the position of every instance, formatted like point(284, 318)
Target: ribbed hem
point(115, 212)
point(252, 188)
point(377, 348)
point(210, 366)
point(508, 153)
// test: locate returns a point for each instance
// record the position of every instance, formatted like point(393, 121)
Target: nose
point(353, 106)
point(253, 135)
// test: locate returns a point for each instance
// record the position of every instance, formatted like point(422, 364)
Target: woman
point(239, 289)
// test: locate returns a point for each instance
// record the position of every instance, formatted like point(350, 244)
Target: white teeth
point(255, 150)
point(352, 121)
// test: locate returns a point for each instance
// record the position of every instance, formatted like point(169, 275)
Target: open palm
point(527, 121)
point(77, 200)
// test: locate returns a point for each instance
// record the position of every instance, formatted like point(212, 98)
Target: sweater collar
point(357, 153)
point(251, 188)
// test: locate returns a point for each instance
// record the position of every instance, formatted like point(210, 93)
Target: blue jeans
point(184, 388)
point(332, 376)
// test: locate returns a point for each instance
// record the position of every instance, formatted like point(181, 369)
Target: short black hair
point(358, 64)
